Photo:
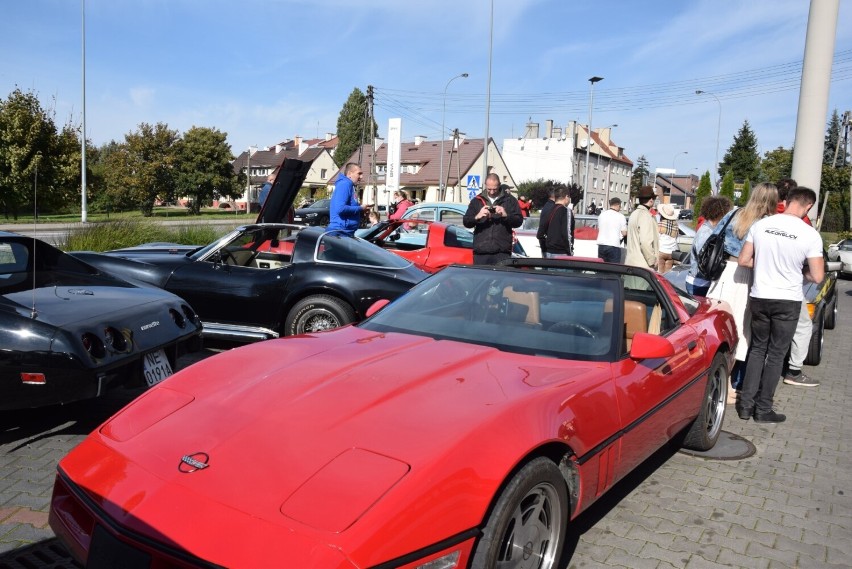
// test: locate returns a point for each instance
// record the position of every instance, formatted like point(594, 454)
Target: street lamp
point(675, 157)
point(443, 136)
point(718, 128)
point(592, 81)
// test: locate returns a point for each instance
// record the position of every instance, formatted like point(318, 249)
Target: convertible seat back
point(635, 320)
point(528, 299)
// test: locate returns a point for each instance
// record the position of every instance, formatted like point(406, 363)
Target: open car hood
point(288, 182)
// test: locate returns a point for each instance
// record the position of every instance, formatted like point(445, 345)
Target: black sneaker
point(800, 380)
point(743, 413)
point(770, 417)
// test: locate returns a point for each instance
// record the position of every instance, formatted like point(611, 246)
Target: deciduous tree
point(203, 167)
point(777, 164)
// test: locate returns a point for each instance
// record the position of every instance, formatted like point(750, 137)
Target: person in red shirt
point(525, 206)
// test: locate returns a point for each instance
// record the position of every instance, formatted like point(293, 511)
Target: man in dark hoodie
point(492, 214)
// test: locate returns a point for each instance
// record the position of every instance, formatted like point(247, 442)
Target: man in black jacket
point(492, 214)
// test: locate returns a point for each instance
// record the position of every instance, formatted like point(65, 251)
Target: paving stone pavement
point(787, 506)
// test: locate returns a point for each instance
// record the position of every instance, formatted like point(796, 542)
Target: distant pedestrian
point(492, 214)
point(668, 229)
point(780, 248)
point(643, 238)
point(400, 204)
point(713, 209)
point(344, 210)
point(559, 238)
point(525, 205)
point(546, 208)
point(612, 228)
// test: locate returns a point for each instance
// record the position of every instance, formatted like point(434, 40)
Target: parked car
point(269, 279)
point(450, 213)
point(842, 252)
point(318, 213)
point(464, 424)
point(685, 214)
point(586, 235)
point(431, 246)
point(70, 332)
point(821, 299)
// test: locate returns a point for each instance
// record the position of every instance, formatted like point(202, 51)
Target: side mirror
point(650, 346)
point(376, 306)
point(833, 266)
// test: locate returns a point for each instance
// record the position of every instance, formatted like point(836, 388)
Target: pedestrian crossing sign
point(472, 186)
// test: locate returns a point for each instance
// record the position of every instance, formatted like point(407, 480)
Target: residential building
point(560, 155)
point(677, 189)
point(263, 162)
point(420, 169)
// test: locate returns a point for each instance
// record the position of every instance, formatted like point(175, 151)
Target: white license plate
point(156, 367)
point(297, 218)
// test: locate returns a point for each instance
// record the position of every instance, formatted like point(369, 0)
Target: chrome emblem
point(150, 325)
point(192, 462)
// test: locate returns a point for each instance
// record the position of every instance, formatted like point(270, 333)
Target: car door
point(656, 398)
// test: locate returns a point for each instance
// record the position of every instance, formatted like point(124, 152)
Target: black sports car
point(270, 279)
point(318, 213)
point(69, 332)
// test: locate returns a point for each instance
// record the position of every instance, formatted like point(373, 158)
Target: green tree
point(832, 139)
point(742, 158)
point(777, 164)
point(142, 169)
point(745, 192)
point(352, 126)
point(728, 186)
point(203, 167)
point(26, 138)
point(834, 190)
point(703, 192)
point(641, 171)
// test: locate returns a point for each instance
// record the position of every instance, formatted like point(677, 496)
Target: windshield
point(543, 313)
point(846, 245)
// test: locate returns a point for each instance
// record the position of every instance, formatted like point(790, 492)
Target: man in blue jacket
point(344, 211)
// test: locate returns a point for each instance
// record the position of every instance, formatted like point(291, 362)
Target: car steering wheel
point(568, 327)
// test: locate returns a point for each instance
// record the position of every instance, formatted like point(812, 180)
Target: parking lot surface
point(787, 506)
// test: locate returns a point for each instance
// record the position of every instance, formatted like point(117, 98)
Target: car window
point(320, 204)
point(846, 245)
point(658, 319)
point(14, 258)
point(336, 248)
point(543, 313)
point(458, 237)
point(451, 216)
point(421, 213)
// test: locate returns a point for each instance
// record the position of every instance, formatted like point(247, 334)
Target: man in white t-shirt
point(612, 227)
point(780, 248)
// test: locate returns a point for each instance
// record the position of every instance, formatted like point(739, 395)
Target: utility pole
point(372, 120)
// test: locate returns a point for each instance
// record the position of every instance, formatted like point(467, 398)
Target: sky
point(264, 71)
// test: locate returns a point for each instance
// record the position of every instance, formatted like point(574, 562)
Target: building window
point(323, 173)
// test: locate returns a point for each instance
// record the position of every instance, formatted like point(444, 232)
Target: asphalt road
point(787, 506)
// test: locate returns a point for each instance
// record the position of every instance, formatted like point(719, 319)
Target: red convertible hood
point(341, 408)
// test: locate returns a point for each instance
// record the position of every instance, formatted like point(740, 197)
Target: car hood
point(285, 422)
point(64, 305)
point(283, 193)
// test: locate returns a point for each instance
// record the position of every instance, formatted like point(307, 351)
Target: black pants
point(609, 253)
point(773, 323)
point(490, 258)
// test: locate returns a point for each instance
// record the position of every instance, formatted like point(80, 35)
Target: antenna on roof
point(36, 159)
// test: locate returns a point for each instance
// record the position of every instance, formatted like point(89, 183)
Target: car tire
point(530, 518)
point(317, 313)
point(831, 313)
point(815, 347)
point(704, 431)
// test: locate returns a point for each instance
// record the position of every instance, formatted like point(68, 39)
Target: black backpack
point(711, 259)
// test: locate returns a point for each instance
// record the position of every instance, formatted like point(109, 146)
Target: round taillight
point(178, 318)
point(190, 314)
point(93, 345)
point(115, 339)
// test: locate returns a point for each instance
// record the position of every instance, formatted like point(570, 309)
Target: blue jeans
point(609, 253)
point(697, 290)
point(773, 323)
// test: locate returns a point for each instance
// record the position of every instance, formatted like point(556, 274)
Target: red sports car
point(465, 424)
point(430, 245)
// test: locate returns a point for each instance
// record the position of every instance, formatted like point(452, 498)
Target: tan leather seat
point(635, 320)
point(528, 299)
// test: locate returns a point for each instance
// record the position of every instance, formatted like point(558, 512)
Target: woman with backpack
point(734, 284)
point(713, 209)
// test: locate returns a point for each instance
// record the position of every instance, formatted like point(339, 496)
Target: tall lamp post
point(592, 81)
point(441, 190)
point(718, 128)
